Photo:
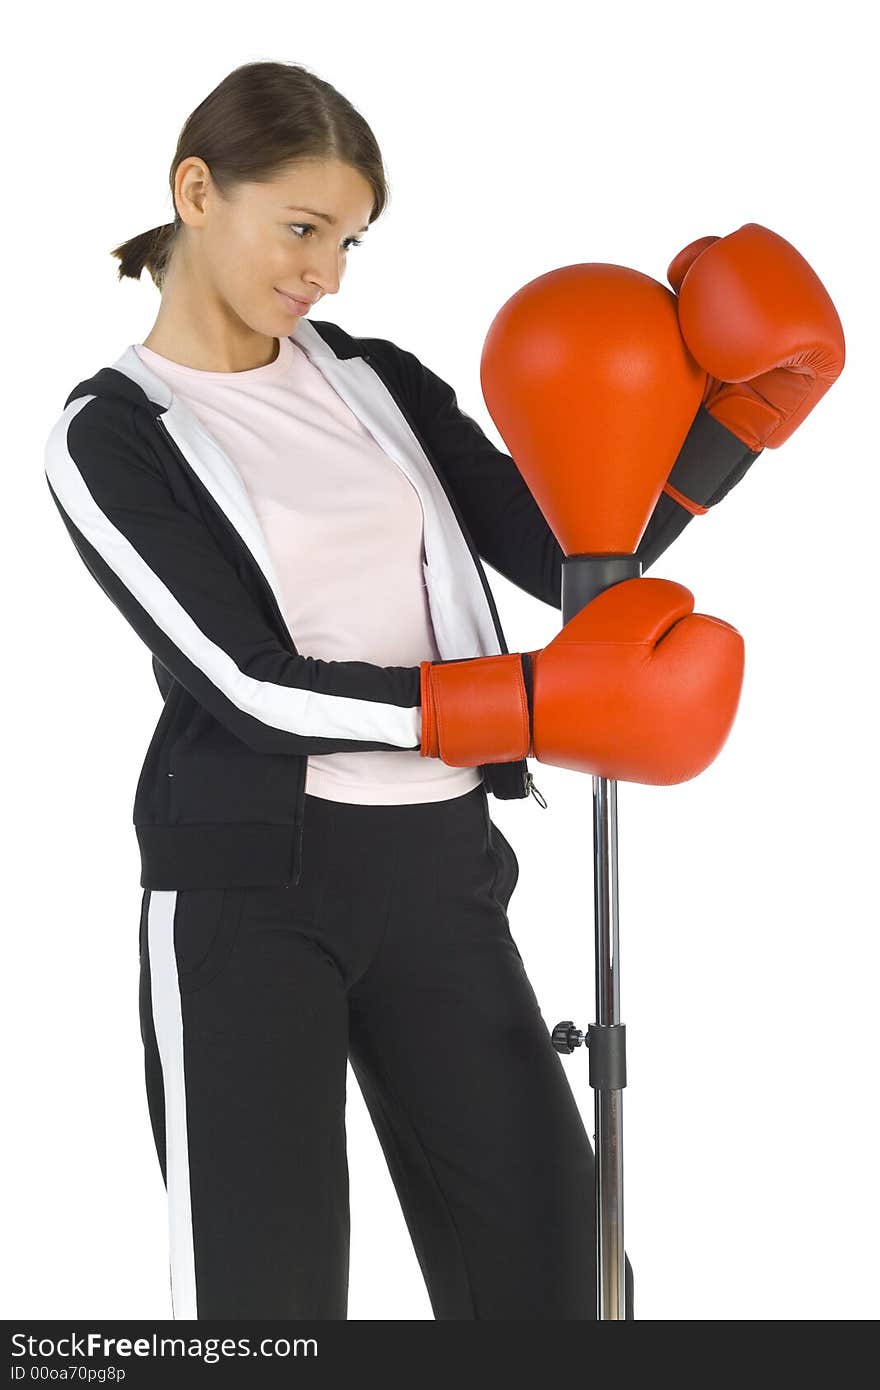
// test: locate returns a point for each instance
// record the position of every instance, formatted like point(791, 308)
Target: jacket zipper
point(528, 682)
point(533, 791)
point(464, 531)
point(528, 779)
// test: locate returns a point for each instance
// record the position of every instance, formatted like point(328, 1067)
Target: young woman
point(294, 519)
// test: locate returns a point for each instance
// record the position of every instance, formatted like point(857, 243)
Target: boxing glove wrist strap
point(477, 710)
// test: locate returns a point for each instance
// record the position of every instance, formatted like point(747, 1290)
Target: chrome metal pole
point(584, 577)
point(608, 1136)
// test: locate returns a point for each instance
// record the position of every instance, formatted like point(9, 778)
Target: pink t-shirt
point(343, 526)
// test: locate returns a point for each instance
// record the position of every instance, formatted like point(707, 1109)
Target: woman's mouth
point(292, 304)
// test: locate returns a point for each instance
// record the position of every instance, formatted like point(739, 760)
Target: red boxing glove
point(636, 687)
point(759, 321)
point(757, 318)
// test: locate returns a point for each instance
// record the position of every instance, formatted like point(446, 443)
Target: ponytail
point(151, 249)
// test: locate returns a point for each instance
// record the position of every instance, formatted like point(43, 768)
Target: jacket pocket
point(214, 777)
point(151, 793)
point(206, 924)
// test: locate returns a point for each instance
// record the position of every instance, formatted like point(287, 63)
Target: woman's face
point(269, 239)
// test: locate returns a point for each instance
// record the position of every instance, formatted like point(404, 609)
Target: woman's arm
point(164, 571)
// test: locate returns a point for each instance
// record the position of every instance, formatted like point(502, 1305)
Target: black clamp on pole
point(607, 1044)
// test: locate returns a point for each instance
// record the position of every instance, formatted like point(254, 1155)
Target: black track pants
point(394, 951)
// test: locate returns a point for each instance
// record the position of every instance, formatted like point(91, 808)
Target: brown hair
point(262, 118)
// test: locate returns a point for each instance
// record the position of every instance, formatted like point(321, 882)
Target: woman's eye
point(309, 227)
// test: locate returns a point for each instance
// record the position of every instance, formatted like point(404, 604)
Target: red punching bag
point(586, 376)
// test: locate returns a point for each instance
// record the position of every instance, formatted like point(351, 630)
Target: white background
point(517, 139)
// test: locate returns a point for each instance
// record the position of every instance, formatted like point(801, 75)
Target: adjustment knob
point(565, 1037)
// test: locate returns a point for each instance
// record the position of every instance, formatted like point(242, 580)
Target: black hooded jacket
point(162, 520)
